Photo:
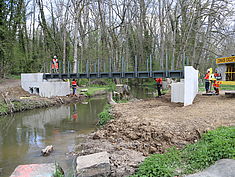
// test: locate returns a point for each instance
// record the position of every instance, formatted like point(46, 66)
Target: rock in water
point(46, 151)
point(93, 165)
point(222, 168)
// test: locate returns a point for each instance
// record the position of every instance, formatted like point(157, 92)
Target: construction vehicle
point(226, 69)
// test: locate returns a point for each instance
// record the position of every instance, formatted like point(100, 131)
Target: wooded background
point(171, 31)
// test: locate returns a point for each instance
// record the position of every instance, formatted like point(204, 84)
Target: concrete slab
point(34, 170)
point(93, 165)
point(222, 168)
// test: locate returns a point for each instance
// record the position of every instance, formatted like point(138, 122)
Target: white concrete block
point(177, 92)
point(190, 84)
point(186, 90)
point(35, 84)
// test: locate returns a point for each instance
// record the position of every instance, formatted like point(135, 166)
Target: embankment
point(15, 99)
point(151, 126)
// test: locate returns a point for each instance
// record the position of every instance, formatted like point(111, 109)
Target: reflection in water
point(23, 135)
point(142, 92)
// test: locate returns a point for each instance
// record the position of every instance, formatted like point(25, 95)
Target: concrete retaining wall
point(177, 92)
point(190, 84)
point(186, 90)
point(35, 84)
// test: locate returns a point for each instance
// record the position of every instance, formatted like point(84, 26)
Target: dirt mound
point(150, 126)
point(153, 125)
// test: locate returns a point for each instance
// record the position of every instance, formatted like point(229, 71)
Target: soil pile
point(151, 126)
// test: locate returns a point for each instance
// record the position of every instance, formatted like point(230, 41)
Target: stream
point(23, 135)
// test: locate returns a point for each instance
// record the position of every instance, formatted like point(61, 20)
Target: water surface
point(23, 135)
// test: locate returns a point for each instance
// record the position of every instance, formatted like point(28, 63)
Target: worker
point(55, 64)
point(74, 86)
point(217, 75)
point(216, 86)
point(207, 81)
point(159, 86)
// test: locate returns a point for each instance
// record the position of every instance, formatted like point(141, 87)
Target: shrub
point(214, 145)
point(105, 115)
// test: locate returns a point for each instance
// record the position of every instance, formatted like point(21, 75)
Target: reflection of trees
point(5, 124)
point(87, 116)
point(12, 139)
point(23, 131)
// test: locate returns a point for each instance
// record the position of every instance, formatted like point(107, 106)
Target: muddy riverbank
point(15, 99)
point(151, 126)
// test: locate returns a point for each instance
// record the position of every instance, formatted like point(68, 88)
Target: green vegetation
point(105, 115)
point(58, 171)
point(91, 91)
point(201, 87)
point(94, 89)
point(12, 76)
point(21, 105)
point(227, 87)
point(3, 108)
point(214, 145)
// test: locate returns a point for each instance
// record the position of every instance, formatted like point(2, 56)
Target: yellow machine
point(226, 67)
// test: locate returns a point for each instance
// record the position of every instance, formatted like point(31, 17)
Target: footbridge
point(95, 71)
point(102, 75)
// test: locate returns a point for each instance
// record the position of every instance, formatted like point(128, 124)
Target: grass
point(201, 87)
point(105, 115)
point(94, 89)
point(214, 145)
point(14, 76)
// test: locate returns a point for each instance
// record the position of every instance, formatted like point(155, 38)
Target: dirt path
point(151, 126)
point(9, 83)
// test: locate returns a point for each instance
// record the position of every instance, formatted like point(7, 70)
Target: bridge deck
point(133, 74)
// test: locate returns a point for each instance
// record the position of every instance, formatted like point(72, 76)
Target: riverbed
point(23, 135)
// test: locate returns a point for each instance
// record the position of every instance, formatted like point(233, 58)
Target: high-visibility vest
point(74, 83)
point(158, 80)
point(216, 84)
point(207, 76)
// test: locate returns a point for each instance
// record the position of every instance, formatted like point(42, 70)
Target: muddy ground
point(151, 126)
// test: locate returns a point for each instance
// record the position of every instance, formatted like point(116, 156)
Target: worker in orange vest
point(216, 86)
point(74, 86)
point(55, 64)
point(207, 81)
point(159, 86)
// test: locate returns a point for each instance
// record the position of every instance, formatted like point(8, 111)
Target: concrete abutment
point(35, 84)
